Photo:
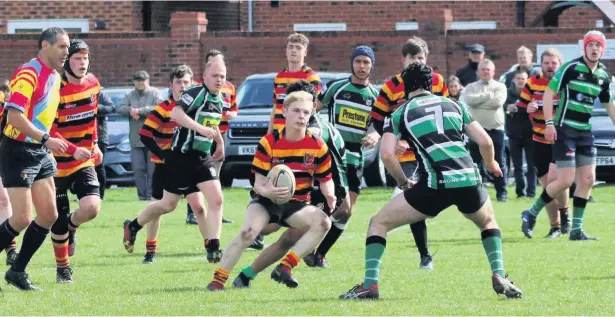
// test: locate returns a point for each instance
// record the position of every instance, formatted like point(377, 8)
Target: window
point(37, 26)
point(473, 25)
point(319, 27)
point(405, 26)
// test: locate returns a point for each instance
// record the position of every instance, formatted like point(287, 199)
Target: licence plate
point(605, 160)
point(247, 150)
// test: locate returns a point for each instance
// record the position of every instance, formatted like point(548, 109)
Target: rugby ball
point(282, 176)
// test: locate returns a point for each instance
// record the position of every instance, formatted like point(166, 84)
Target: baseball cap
point(140, 75)
point(476, 48)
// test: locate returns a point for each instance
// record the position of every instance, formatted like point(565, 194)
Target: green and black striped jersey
point(337, 148)
point(578, 88)
point(349, 107)
point(434, 127)
point(206, 109)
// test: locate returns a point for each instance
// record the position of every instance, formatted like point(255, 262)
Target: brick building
point(155, 36)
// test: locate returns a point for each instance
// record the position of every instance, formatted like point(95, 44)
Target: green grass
point(558, 277)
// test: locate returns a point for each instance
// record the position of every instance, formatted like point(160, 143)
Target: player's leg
point(196, 201)
point(269, 256)
point(152, 211)
point(562, 202)
point(339, 220)
point(153, 227)
point(419, 228)
point(256, 218)
point(218, 168)
point(87, 189)
point(6, 212)
point(565, 162)
point(212, 191)
point(475, 205)
point(584, 178)
point(59, 231)
point(530, 175)
point(301, 216)
point(397, 212)
point(43, 198)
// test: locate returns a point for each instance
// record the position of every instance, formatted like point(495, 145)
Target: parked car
point(604, 134)
point(117, 159)
point(255, 103)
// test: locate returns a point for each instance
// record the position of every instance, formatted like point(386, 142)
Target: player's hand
point(532, 107)
point(275, 193)
point(82, 154)
point(207, 132)
point(370, 140)
point(218, 154)
point(331, 202)
point(56, 145)
point(134, 113)
point(494, 168)
point(231, 115)
point(402, 147)
point(97, 155)
point(512, 108)
point(550, 133)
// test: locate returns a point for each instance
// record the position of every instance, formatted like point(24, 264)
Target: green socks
point(374, 250)
point(492, 242)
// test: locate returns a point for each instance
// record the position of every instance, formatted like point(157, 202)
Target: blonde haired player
point(308, 156)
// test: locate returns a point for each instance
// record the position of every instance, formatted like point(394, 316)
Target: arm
point(152, 125)
point(124, 107)
point(105, 104)
point(151, 145)
point(472, 98)
point(547, 104)
point(178, 115)
point(388, 143)
point(477, 134)
point(498, 98)
point(324, 175)
point(144, 111)
point(272, 115)
point(606, 99)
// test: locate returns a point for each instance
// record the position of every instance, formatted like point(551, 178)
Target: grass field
point(558, 277)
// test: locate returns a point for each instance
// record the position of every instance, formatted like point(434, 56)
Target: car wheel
point(375, 174)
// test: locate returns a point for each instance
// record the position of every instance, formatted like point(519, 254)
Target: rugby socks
point(563, 213)
point(32, 241)
point(374, 250)
point(220, 276)
point(151, 246)
point(12, 246)
point(249, 273)
point(334, 233)
point(291, 260)
point(134, 226)
point(540, 203)
point(492, 242)
point(578, 211)
point(212, 245)
point(419, 231)
point(60, 249)
point(7, 235)
point(71, 224)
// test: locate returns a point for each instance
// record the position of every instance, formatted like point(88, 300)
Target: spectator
point(105, 107)
point(454, 88)
point(485, 99)
point(524, 60)
point(469, 72)
point(519, 132)
point(136, 105)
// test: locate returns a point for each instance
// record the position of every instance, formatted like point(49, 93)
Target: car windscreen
point(258, 93)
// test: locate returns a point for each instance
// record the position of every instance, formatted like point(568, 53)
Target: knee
point(48, 216)
point(587, 180)
point(4, 201)
point(198, 209)
point(247, 235)
point(21, 219)
point(342, 216)
point(215, 202)
point(168, 205)
point(92, 210)
point(321, 222)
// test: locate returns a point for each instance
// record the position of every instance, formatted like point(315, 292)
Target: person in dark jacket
point(468, 73)
point(105, 107)
point(519, 132)
point(524, 60)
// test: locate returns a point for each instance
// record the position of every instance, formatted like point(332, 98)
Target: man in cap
point(136, 105)
point(469, 72)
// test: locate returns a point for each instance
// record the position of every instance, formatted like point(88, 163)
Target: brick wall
point(222, 15)
point(116, 56)
point(382, 15)
point(119, 16)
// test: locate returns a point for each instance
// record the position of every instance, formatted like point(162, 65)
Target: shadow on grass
point(167, 290)
point(123, 254)
point(465, 241)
